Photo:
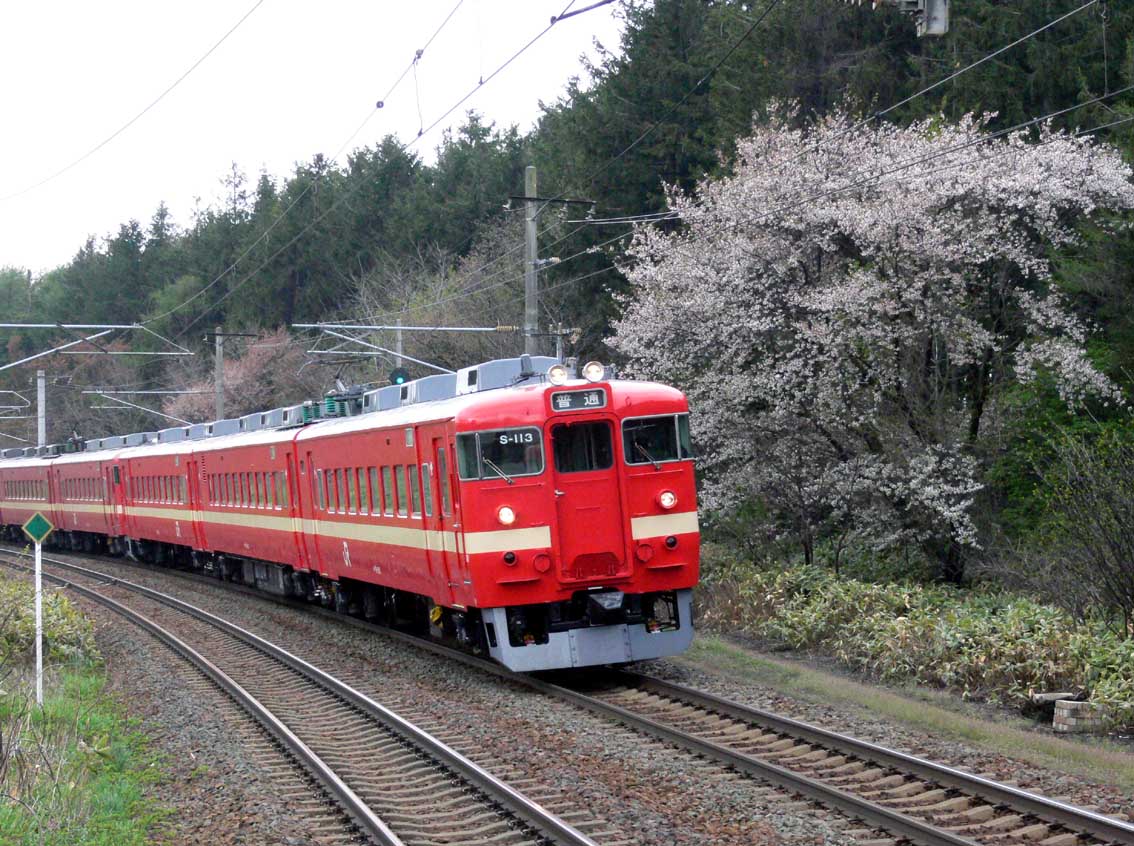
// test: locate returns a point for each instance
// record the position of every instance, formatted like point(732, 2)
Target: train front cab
point(613, 482)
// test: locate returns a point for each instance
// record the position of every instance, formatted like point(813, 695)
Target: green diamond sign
point(38, 528)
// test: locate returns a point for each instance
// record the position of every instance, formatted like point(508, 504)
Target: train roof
point(491, 405)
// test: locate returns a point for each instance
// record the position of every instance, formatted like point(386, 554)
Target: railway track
point(908, 796)
point(397, 783)
point(895, 797)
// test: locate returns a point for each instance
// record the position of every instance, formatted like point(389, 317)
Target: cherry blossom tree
point(847, 309)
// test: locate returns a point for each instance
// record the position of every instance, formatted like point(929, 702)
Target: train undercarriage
point(595, 626)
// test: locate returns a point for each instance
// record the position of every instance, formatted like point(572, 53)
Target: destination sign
point(577, 400)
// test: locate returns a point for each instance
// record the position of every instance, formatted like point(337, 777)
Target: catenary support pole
point(531, 256)
point(41, 401)
point(218, 374)
point(398, 348)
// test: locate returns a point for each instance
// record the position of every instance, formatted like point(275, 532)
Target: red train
point(549, 521)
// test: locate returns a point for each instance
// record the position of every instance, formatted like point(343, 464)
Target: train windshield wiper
point(649, 458)
point(501, 473)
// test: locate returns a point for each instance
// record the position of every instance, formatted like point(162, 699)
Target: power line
point(136, 117)
point(514, 279)
point(876, 115)
point(671, 214)
point(307, 188)
point(909, 163)
point(351, 191)
point(670, 111)
point(952, 76)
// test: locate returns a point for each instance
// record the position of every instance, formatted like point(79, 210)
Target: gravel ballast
point(647, 792)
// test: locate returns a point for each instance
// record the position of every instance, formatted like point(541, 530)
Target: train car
point(247, 514)
point(83, 512)
point(157, 518)
point(25, 488)
point(550, 524)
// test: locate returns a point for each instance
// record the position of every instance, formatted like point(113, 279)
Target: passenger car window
point(415, 491)
point(443, 472)
point(400, 472)
point(375, 495)
point(387, 491)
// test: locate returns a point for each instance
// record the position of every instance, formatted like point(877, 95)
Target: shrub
point(986, 644)
point(67, 634)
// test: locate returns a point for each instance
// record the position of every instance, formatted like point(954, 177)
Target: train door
point(438, 514)
point(588, 503)
point(111, 498)
point(295, 505)
point(310, 512)
point(120, 498)
point(196, 497)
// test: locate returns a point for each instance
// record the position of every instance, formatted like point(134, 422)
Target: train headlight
point(593, 371)
point(506, 516)
point(557, 374)
point(667, 499)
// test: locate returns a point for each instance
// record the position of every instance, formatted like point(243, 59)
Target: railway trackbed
point(393, 782)
point(908, 796)
point(893, 796)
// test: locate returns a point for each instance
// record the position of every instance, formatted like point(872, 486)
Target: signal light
point(399, 376)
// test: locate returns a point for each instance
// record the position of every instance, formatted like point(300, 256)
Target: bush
point(986, 644)
point(67, 634)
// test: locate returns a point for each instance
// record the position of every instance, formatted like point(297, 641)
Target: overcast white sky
point(295, 79)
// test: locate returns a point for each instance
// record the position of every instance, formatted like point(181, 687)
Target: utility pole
point(531, 256)
point(931, 16)
point(218, 373)
point(398, 342)
point(41, 401)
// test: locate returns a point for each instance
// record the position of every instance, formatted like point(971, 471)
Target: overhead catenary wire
point(672, 214)
point(75, 162)
point(350, 191)
point(772, 4)
point(1077, 133)
point(668, 214)
point(906, 164)
point(307, 188)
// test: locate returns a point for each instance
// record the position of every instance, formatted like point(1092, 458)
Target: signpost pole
point(37, 528)
point(39, 625)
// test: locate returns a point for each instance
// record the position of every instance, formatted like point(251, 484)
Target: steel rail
point(358, 810)
point(993, 792)
point(1113, 830)
point(529, 811)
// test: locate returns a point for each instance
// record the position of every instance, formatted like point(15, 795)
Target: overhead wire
point(307, 188)
point(906, 164)
point(136, 117)
point(668, 214)
point(753, 23)
point(350, 191)
point(772, 4)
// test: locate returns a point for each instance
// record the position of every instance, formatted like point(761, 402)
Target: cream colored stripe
point(664, 524)
point(409, 536)
point(85, 508)
point(507, 540)
point(248, 521)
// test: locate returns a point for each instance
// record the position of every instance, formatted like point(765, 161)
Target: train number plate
point(577, 400)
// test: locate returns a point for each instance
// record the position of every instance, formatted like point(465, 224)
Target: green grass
point(933, 712)
point(83, 768)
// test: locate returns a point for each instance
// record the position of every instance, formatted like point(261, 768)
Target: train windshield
point(501, 453)
point(652, 440)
